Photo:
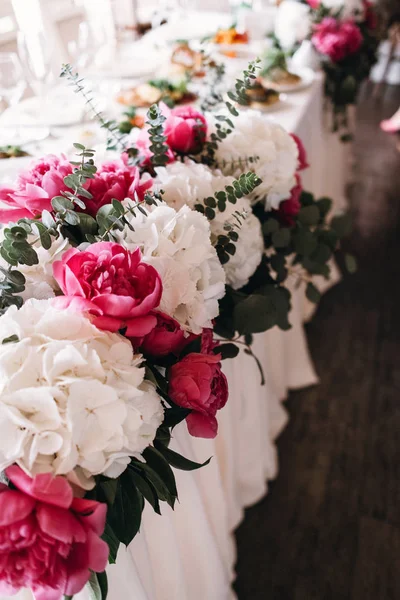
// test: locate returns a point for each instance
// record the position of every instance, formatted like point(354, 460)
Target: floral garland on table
point(107, 311)
point(114, 280)
point(348, 47)
point(279, 232)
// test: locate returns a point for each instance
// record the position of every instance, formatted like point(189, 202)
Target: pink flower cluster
point(337, 39)
point(121, 293)
point(49, 540)
point(35, 188)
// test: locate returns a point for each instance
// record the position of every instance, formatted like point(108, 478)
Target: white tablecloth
point(189, 553)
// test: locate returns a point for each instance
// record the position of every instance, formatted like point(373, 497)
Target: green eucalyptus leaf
point(312, 293)
point(281, 238)
point(270, 226)
point(305, 242)
point(342, 224)
point(309, 215)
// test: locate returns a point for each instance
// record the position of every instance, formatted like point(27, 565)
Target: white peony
point(190, 183)
point(73, 399)
point(292, 23)
point(255, 135)
point(178, 245)
point(40, 283)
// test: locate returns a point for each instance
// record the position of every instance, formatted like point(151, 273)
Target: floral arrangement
point(347, 44)
point(115, 278)
point(108, 299)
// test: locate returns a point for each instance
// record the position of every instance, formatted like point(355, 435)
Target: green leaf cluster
point(224, 125)
point(158, 146)
point(116, 138)
point(244, 185)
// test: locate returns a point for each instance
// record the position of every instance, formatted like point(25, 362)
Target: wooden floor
point(330, 527)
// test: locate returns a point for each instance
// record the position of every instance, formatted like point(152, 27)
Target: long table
point(189, 553)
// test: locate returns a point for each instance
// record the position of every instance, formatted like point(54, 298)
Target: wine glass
point(12, 83)
point(35, 53)
point(83, 49)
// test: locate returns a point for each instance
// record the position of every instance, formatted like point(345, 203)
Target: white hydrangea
point(293, 23)
point(255, 135)
point(73, 400)
point(39, 280)
point(178, 245)
point(190, 183)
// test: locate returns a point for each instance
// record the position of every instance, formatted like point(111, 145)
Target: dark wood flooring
point(330, 527)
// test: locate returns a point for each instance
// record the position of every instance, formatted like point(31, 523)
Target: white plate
point(307, 77)
point(59, 108)
point(282, 102)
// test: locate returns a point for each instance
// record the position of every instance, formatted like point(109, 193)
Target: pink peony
point(302, 158)
point(112, 284)
point(197, 382)
point(167, 337)
point(337, 39)
point(49, 540)
point(34, 189)
point(186, 129)
point(115, 179)
point(288, 209)
point(314, 3)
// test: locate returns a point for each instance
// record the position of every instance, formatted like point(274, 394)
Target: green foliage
point(210, 92)
point(112, 218)
point(116, 138)
point(244, 185)
point(225, 124)
point(158, 147)
point(274, 58)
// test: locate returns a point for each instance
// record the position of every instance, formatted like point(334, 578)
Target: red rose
point(114, 179)
point(167, 337)
point(185, 129)
point(197, 382)
point(290, 208)
point(49, 541)
point(302, 158)
point(112, 284)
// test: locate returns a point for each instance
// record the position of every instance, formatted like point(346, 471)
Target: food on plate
point(260, 97)
point(155, 90)
point(10, 151)
point(231, 36)
point(274, 70)
point(132, 120)
point(185, 60)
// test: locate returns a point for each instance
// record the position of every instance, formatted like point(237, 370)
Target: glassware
point(82, 51)
point(35, 53)
point(12, 82)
